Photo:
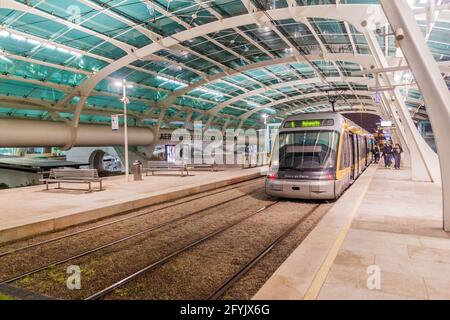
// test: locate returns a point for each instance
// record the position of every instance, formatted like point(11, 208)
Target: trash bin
point(137, 170)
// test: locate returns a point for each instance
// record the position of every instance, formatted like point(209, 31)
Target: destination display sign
point(309, 123)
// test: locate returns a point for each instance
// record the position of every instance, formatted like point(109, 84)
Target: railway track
point(151, 265)
point(167, 258)
point(96, 227)
point(220, 291)
point(229, 282)
point(120, 240)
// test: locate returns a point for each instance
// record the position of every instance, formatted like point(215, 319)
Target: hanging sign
point(378, 97)
point(115, 123)
point(386, 124)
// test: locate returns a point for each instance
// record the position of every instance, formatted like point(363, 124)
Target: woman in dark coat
point(387, 154)
point(397, 151)
point(376, 153)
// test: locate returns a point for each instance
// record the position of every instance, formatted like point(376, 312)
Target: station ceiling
point(193, 59)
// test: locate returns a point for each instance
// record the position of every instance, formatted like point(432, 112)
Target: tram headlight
point(272, 176)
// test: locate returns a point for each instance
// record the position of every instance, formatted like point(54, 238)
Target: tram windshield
point(306, 150)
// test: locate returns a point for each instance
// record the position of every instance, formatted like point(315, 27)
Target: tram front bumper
point(294, 189)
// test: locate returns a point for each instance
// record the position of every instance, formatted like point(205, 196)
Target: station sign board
point(386, 124)
point(115, 123)
point(378, 97)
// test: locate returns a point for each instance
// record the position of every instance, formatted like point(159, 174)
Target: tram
point(317, 156)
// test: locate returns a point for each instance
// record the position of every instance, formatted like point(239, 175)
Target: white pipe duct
point(35, 133)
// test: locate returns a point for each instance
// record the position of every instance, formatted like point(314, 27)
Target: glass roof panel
point(59, 44)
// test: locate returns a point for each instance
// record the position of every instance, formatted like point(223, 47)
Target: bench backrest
point(74, 174)
point(163, 163)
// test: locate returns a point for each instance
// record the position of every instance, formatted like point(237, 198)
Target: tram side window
point(362, 148)
point(363, 141)
point(345, 152)
point(368, 147)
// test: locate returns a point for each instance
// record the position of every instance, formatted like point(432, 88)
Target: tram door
point(354, 151)
point(368, 148)
point(358, 154)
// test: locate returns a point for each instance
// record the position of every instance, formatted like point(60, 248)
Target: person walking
point(376, 153)
point(397, 152)
point(387, 154)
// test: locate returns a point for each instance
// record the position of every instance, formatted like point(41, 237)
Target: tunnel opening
point(105, 163)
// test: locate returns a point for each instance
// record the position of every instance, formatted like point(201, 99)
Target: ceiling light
point(62, 50)
point(33, 42)
point(18, 37)
point(171, 81)
point(50, 46)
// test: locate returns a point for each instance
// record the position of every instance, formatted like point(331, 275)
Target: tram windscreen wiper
point(287, 168)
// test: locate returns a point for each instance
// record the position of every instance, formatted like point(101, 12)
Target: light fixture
point(33, 42)
point(253, 104)
point(18, 37)
point(62, 50)
point(161, 78)
point(49, 46)
point(119, 83)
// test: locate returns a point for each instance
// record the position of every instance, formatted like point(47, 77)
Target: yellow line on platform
point(320, 277)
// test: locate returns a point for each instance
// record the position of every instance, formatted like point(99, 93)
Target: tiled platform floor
point(393, 234)
point(43, 211)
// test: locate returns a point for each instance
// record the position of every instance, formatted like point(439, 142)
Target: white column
point(431, 84)
point(188, 122)
point(125, 122)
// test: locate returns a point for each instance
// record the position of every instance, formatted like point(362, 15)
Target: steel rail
point(168, 257)
point(12, 251)
point(109, 244)
point(241, 272)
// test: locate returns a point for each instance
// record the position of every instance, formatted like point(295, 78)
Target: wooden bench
point(194, 166)
point(59, 176)
point(155, 166)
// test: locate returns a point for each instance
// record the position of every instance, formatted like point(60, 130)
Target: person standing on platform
point(397, 151)
point(387, 154)
point(376, 153)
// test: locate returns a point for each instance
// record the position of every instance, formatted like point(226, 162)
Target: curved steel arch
point(362, 111)
point(351, 102)
point(214, 111)
point(359, 13)
point(364, 60)
point(359, 109)
point(296, 98)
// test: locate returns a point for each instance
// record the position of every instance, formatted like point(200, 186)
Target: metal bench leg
point(101, 185)
point(46, 183)
point(59, 185)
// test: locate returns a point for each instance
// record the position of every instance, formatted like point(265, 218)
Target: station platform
point(31, 210)
point(383, 239)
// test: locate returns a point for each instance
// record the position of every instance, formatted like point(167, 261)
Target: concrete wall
point(15, 178)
